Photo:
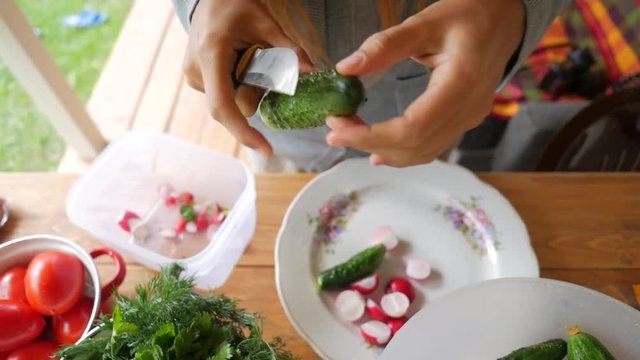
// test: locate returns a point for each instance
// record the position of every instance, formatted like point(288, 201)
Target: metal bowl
point(4, 212)
point(21, 250)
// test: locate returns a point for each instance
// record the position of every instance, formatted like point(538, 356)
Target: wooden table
point(585, 229)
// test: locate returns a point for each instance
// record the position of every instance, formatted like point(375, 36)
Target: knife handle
point(244, 59)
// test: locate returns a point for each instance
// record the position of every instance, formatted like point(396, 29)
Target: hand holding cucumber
point(467, 44)
point(219, 29)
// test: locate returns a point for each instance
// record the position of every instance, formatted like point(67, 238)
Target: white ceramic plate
point(490, 319)
point(465, 229)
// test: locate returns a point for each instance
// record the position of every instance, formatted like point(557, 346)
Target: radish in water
point(401, 285)
point(385, 235)
point(125, 221)
point(396, 324)
point(375, 311)
point(395, 304)
point(418, 268)
point(367, 285)
point(375, 332)
point(350, 305)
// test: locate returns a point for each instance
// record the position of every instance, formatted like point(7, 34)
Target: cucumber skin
point(317, 96)
point(554, 349)
point(584, 346)
point(357, 267)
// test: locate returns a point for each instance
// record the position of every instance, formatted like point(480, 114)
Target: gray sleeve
point(539, 15)
point(184, 10)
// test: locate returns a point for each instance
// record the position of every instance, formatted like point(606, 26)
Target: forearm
point(184, 10)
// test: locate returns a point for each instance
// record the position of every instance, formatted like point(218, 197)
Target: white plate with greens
point(491, 319)
point(464, 228)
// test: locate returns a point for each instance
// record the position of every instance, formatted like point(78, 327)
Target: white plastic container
point(126, 176)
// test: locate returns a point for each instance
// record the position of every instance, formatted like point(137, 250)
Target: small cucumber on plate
point(318, 95)
point(357, 267)
point(584, 346)
point(554, 349)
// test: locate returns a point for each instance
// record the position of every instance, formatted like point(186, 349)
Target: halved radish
point(401, 285)
point(375, 311)
point(125, 220)
point(384, 234)
point(396, 323)
point(367, 285)
point(375, 332)
point(350, 305)
point(418, 268)
point(395, 304)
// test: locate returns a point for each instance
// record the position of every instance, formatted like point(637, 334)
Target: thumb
point(382, 50)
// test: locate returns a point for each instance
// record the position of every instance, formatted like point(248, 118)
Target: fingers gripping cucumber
point(318, 95)
point(584, 346)
point(554, 349)
point(357, 267)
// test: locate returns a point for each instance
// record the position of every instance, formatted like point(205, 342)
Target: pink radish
point(418, 268)
point(396, 324)
point(384, 234)
point(395, 304)
point(191, 227)
point(375, 332)
point(219, 216)
point(125, 220)
point(367, 285)
point(401, 285)
point(350, 305)
point(375, 311)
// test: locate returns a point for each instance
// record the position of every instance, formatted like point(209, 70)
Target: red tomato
point(40, 350)
point(20, 325)
point(69, 327)
point(54, 282)
point(12, 284)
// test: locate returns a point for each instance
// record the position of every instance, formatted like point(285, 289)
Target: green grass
point(27, 140)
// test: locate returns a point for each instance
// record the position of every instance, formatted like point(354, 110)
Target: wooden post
point(31, 64)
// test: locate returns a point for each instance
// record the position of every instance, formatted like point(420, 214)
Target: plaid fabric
point(610, 29)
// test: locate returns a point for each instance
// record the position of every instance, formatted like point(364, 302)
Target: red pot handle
point(121, 271)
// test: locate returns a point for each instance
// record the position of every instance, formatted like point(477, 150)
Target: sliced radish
point(418, 268)
point(191, 227)
point(350, 305)
point(367, 285)
point(219, 215)
point(202, 221)
point(401, 285)
point(181, 226)
point(375, 311)
point(395, 304)
point(185, 198)
point(168, 233)
point(396, 323)
point(125, 220)
point(384, 234)
point(375, 332)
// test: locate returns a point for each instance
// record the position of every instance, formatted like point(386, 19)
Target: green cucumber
point(554, 349)
point(356, 268)
point(584, 346)
point(318, 95)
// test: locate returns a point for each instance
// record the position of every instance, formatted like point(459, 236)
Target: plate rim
point(279, 287)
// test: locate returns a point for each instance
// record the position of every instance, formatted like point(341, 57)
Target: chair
point(604, 136)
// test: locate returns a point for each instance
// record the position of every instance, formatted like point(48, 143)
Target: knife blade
point(275, 69)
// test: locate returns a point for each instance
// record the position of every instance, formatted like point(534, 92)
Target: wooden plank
point(189, 115)
point(33, 67)
point(160, 96)
point(121, 85)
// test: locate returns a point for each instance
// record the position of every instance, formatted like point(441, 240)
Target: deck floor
point(142, 87)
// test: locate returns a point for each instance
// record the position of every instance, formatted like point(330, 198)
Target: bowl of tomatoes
point(50, 294)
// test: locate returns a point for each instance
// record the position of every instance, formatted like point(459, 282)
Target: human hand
point(219, 29)
point(468, 44)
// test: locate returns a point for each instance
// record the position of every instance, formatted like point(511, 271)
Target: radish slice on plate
point(401, 285)
point(375, 332)
point(385, 235)
point(396, 324)
point(367, 285)
point(350, 305)
point(418, 268)
point(375, 311)
point(395, 304)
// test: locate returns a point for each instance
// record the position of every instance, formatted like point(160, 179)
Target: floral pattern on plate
point(472, 221)
point(332, 217)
